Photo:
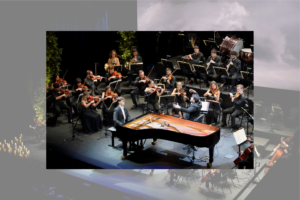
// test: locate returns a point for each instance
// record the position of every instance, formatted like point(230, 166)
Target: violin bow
point(222, 84)
point(96, 69)
point(65, 74)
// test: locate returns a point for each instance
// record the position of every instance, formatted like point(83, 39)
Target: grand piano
point(159, 126)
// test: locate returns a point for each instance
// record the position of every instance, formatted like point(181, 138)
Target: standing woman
point(213, 93)
point(108, 105)
point(179, 98)
point(113, 58)
point(215, 177)
point(91, 120)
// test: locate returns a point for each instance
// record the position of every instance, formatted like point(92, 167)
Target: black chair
point(223, 183)
point(242, 115)
point(232, 174)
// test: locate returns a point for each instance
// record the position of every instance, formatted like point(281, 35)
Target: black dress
point(91, 120)
point(179, 100)
point(108, 110)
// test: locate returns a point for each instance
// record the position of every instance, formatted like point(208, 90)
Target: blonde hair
point(85, 95)
point(179, 83)
point(88, 72)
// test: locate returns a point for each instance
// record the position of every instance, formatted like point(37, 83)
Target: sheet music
point(240, 136)
point(205, 106)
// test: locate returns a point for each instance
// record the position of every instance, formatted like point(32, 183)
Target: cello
point(276, 154)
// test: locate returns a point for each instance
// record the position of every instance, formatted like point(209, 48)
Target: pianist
point(193, 111)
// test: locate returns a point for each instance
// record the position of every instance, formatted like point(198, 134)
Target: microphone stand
point(248, 120)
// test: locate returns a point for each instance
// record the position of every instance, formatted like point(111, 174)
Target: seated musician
point(77, 90)
point(58, 103)
point(141, 84)
point(212, 93)
point(215, 177)
point(153, 95)
point(213, 60)
point(193, 111)
point(113, 58)
point(91, 119)
point(238, 102)
point(283, 145)
point(50, 100)
point(38, 129)
point(92, 84)
point(197, 58)
point(177, 172)
point(248, 162)
point(180, 99)
point(135, 58)
point(110, 79)
point(233, 68)
point(109, 105)
point(169, 84)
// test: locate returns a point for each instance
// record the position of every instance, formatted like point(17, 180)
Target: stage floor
point(164, 155)
point(142, 185)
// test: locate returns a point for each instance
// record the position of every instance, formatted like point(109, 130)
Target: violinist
point(193, 111)
point(109, 103)
point(113, 58)
point(91, 120)
point(110, 77)
point(180, 98)
point(153, 94)
point(213, 93)
point(248, 162)
point(238, 102)
point(77, 89)
point(141, 83)
point(38, 129)
point(58, 103)
point(169, 80)
point(50, 100)
point(91, 82)
point(215, 177)
point(233, 68)
point(213, 60)
point(135, 58)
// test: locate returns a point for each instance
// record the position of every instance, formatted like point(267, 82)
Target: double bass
point(276, 154)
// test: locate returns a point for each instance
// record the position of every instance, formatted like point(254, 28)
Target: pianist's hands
point(176, 106)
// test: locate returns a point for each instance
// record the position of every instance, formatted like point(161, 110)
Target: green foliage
point(126, 44)
point(40, 100)
point(53, 57)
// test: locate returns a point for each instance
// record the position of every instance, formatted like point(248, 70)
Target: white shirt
point(122, 108)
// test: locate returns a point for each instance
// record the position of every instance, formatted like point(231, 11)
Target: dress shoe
point(134, 106)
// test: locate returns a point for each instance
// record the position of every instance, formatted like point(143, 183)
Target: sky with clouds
point(275, 25)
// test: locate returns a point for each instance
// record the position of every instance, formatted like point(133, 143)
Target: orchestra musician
point(135, 58)
point(196, 57)
point(213, 60)
point(248, 162)
point(213, 93)
point(113, 58)
point(180, 98)
point(92, 84)
point(91, 120)
point(58, 103)
point(39, 129)
point(153, 93)
point(238, 102)
point(50, 100)
point(169, 80)
point(193, 111)
point(215, 177)
point(109, 104)
point(233, 68)
point(77, 90)
point(283, 145)
point(110, 78)
point(141, 84)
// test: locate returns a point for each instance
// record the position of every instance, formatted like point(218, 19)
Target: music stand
point(240, 138)
point(136, 67)
point(164, 99)
point(221, 71)
point(118, 68)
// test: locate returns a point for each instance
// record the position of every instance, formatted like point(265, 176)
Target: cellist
point(248, 162)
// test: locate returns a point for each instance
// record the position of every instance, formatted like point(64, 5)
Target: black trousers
point(133, 94)
point(231, 77)
point(49, 102)
point(59, 107)
point(246, 163)
point(212, 116)
point(208, 77)
point(233, 113)
point(131, 77)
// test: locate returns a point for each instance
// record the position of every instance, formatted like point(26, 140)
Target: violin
point(157, 88)
point(277, 154)
point(146, 78)
point(64, 82)
point(239, 94)
point(114, 95)
point(215, 92)
point(60, 80)
point(91, 98)
point(96, 77)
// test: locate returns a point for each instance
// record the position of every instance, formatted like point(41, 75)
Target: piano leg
point(124, 149)
point(154, 141)
point(211, 156)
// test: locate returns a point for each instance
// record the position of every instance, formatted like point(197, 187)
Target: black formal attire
point(196, 59)
point(233, 72)
point(211, 75)
point(75, 98)
point(49, 100)
point(236, 110)
point(91, 120)
point(248, 162)
point(39, 131)
point(140, 90)
point(193, 111)
point(169, 87)
point(178, 172)
point(113, 85)
point(213, 111)
point(214, 178)
point(153, 101)
point(179, 100)
point(92, 85)
point(108, 110)
point(59, 105)
point(131, 72)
